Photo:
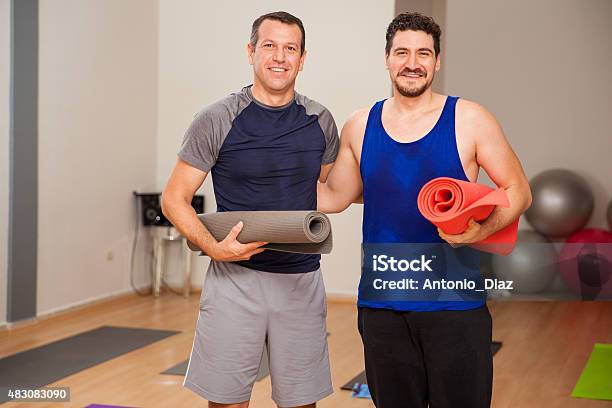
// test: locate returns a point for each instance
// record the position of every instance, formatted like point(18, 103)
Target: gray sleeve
point(205, 135)
point(328, 125)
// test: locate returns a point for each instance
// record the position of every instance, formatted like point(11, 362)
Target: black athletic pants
point(418, 358)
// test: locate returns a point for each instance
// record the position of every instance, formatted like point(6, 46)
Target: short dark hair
point(413, 22)
point(283, 17)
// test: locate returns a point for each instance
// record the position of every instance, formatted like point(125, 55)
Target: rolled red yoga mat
point(450, 203)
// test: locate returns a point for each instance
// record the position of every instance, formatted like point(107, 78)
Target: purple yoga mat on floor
point(106, 406)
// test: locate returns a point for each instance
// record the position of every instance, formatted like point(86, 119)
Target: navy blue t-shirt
point(264, 158)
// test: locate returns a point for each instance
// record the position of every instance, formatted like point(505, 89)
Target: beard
point(412, 91)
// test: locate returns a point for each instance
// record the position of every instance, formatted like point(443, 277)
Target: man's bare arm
point(343, 185)
point(495, 155)
point(176, 206)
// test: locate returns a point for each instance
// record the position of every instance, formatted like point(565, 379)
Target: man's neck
point(414, 104)
point(272, 98)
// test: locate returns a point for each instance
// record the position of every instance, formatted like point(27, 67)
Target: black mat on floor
point(179, 369)
point(495, 346)
point(46, 364)
point(361, 377)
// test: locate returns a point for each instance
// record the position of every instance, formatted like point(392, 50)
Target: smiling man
point(421, 353)
point(266, 146)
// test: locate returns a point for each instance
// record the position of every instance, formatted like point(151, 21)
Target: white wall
point(97, 131)
point(543, 69)
point(202, 58)
point(5, 49)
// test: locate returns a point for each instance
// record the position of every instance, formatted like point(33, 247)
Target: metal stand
point(161, 235)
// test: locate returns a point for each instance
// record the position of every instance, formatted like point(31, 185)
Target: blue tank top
point(393, 173)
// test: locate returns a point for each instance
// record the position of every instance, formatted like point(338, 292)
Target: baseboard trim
point(62, 310)
point(345, 298)
point(342, 298)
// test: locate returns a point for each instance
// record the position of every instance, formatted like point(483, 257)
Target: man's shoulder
point(354, 128)
point(474, 121)
point(470, 110)
point(226, 108)
point(358, 119)
point(312, 106)
point(361, 115)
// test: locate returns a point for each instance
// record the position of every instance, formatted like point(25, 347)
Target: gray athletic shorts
point(241, 312)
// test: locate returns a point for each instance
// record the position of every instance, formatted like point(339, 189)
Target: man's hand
point(230, 249)
point(473, 234)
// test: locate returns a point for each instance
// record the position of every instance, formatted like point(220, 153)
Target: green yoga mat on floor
point(595, 382)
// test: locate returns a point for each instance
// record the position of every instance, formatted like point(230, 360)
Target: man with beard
point(266, 146)
point(420, 353)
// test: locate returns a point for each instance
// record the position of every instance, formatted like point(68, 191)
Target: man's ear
point(250, 52)
point(302, 59)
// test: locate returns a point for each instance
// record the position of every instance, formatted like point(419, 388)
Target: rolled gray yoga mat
point(304, 232)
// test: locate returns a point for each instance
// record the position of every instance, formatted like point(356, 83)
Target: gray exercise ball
point(532, 265)
point(562, 203)
point(610, 214)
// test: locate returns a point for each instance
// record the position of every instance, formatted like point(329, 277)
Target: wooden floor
point(546, 345)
